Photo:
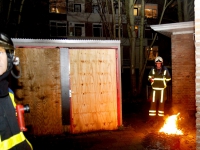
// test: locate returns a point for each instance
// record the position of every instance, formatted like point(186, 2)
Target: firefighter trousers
point(157, 103)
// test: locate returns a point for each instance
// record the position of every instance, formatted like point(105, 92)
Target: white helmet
point(158, 59)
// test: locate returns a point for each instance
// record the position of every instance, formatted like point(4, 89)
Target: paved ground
point(130, 137)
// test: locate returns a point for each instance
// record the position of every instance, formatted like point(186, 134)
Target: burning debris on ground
point(170, 136)
point(161, 141)
point(171, 125)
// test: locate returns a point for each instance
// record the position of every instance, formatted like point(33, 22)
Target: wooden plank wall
point(93, 88)
point(39, 86)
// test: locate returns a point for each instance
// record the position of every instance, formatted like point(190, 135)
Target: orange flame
point(170, 126)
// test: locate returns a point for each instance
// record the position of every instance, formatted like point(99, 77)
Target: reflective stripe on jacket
point(13, 141)
point(160, 78)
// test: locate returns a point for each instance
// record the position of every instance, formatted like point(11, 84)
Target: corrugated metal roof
point(174, 28)
point(20, 42)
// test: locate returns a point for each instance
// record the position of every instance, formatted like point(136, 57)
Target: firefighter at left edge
point(11, 114)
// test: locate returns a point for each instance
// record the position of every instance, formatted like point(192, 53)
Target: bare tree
point(188, 10)
point(119, 20)
point(103, 11)
point(9, 10)
point(19, 17)
point(113, 19)
point(180, 13)
point(132, 40)
point(141, 34)
point(111, 26)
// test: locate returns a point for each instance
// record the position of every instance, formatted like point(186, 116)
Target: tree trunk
point(9, 10)
point(113, 19)
point(185, 5)
point(119, 20)
point(132, 40)
point(180, 14)
point(141, 62)
point(19, 18)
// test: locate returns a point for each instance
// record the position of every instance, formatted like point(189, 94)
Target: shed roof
point(18, 42)
point(174, 28)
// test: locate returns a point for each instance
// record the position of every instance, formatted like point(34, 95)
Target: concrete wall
point(197, 55)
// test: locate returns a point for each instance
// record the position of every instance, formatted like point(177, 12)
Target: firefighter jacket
point(11, 137)
point(160, 78)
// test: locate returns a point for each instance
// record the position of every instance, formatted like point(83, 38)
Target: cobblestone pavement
point(129, 137)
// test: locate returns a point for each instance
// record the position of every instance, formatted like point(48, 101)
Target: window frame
point(95, 26)
point(73, 29)
point(57, 26)
point(77, 7)
point(117, 28)
point(95, 9)
point(135, 11)
point(153, 8)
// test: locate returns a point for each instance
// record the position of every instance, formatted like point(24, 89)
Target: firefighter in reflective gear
point(158, 76)
point(10, 135)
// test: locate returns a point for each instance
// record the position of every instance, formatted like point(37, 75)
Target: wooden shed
point(70, 85)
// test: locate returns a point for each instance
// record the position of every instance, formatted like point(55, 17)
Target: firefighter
point(158, 76)
point(11, 137)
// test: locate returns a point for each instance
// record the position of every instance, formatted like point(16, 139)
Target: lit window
point(135, 11)
point(154, 13)
point(136, 31)
point(58, 29)
point(151, 10)
point(57, 6)
point(97, 30)
point(151, 52)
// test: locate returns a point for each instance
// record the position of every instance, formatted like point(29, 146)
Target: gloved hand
point(151, 80)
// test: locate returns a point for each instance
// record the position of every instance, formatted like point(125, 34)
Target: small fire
point(170, 126)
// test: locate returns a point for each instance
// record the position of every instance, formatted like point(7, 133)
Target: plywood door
point(39, 86)
point(93, 90)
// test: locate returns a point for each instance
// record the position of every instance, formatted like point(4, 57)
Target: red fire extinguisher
point(21, 109)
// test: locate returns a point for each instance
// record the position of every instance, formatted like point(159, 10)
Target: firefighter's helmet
point(158, 59)
point(7, 44)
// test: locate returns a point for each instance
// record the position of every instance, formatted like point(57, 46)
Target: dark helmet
point(7, 44)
